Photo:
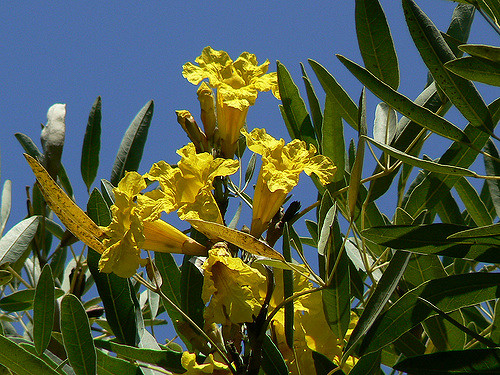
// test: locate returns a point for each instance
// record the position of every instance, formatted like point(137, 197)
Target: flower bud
point(188, 123)
point(206, 98)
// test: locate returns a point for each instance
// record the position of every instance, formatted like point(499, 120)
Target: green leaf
point(357, 168)
point(495, 325)
point(492, 167)
point(115, 292)
point(448, 294)
point(476, 69)
point(107, 192)
point(295, 108)
point(475, 233)
point(471, 361)
point(315, 108)
point(6, 204)
point(435, 53)
point(405, 106)
point(432, 239)
point(77, 338)
point(384, 125)
point(129, 154)
point(424, 164)
point(171, 277)
point(473, 203)
point(20, 361)
point(16, 241)
point(345, 104)
point(43, 310)
point(385, 287)
point(460, 25)
point(367, 365)
point(167, 359)
point(91, 145)
point(108, 365)
point(490, 53)
point(433, 186)
point(272, 359)
point(21, 300)
point(191, 286)
point(288, 289)
point(375, 42)
point(324, 366)
point(332, 137)
point(336, 297)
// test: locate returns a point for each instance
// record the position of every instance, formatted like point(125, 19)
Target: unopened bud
point(207, 105)
point(193, 131)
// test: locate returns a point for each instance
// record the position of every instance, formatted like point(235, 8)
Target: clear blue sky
point(129, 52)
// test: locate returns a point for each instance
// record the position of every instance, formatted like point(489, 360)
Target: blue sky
point(129, 52)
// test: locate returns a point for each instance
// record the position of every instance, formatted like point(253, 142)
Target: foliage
point(415, 290)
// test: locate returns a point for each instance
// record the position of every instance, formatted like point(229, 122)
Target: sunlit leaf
point(68, 212)
point(491, 53)
point(109, 365)
point(375, 42)
point(476, 69)
point(294, 107)
point(129, 154)
point(91, 145)
point(314, 106)
point(17, 239)
point(384, 126)
point(6, 205)
point(242, 240)
point(332, 137)
point(345, 104)
point(435, 53)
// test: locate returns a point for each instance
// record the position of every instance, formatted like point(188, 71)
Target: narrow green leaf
point(43, 310)
point(492, 167)
point(471, 361)
point(17, 239)
point(191, 288)
point(432, 239)
point(332, 137)
point(108, 365)
point(324, 366)
point(476, 69)
point(6, 204)
point(448, 294)
point(357, 168)
point(495, 326)
point(473, 203)
point(314, 106)
point(22, 300)
point(367, 365)
point(346, 105)
point(435, 53)
point(386, 285)
point(91, 145)
point(171, 277)
point(460, 25)
point(167, 359)
point(77, 338)
point(384, 126)
point(294, 107)
point(129, 154)
point(475, 233)
point(114, 291)
point(107, 192)
point(272, 359)
point(28, 145)
point(375, 42)
point(405, 106)
point(250, 168)
point(433, 186)
point(20, 361)
point(490, 53)
point(288, 289)
point(424, 164)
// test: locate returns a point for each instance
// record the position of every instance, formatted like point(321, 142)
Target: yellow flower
point(311, 330)
point(131, 230)
point(237, 83)
point(281, 166)
point(187, 188)
point(210, 366)
point(233, 288)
